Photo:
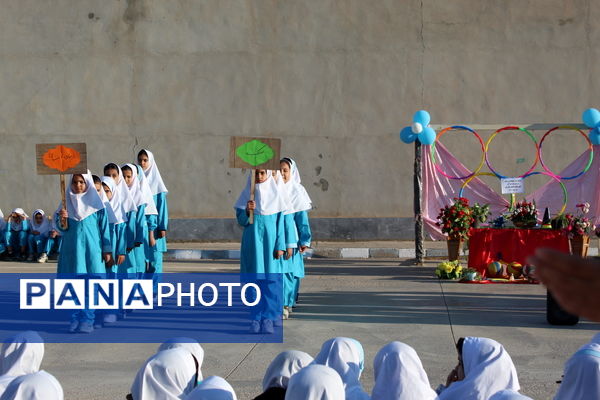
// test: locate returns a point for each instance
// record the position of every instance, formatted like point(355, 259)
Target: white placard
point(512, 185)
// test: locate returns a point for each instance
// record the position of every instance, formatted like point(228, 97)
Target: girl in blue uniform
point(159, 193)
point(86, 240)
point(263, 243)
point(151, 216)
point(297, 230)
point(39, 241)
point(17, 231)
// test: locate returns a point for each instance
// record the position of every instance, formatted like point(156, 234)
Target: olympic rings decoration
point(506, 128)
point(466, 182)
point(590, 147)
point(562, 185)
point(458, 127)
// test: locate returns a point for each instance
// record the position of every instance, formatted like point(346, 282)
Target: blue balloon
point(428, 136)
point(591, 117)
point(407, 135)
point(595, 136)
point(422, 117)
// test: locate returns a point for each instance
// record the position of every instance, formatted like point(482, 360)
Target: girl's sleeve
point(303, 226)
point(121, 238)
point(242, 217)
point(104, 232)
point(291, 234)
point(163, 212)
point(58, 224)
point(280, 241)
point(151, 220)
point(139, 224)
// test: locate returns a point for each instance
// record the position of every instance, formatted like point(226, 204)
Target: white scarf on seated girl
point(188, 344)
point(283, 367)
point(268, 196)
point(315, 382)
point(82, 205)
point(114, 207)
point(213, 388)
point(146, 192)
point(153, 174)
point(21, 354)
point(37, 386)
point(582, 373)
point(299, 198)
point(508, 394)
point(17, 226)
point(43, 228)
point(488, 369)
point(2, 221)
point(399, 375)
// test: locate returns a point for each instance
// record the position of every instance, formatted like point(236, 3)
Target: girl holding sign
point(263, 242)
point(86, 239)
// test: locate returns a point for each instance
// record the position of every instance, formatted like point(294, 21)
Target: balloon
point(417, 128)
point(422, 117)
point(591, 117)
point(595, 136)
point(428, 136)
point(407, 135)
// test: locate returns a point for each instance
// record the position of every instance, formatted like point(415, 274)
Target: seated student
point(508, 394)
point(582, 373)
point(17, 230)
point(190, 345)
point(399, 374)
point(279, 372)
point(212, 388)
point(36, 386)
point(484, 368)
point(167, 375)
point(21, 354)
point(39, 236)
point(346, 356)
point(315, 382)
point(2, 233)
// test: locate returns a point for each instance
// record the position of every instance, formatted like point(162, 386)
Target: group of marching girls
point(276, 240)
point(113, 226)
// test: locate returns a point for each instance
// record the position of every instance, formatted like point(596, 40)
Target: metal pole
point(418, 187)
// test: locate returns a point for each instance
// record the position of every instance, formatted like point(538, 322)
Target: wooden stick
point(63, 190)
point(252, 189)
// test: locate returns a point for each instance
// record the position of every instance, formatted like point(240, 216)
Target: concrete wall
point(336, 79)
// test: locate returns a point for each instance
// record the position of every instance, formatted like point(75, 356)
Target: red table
point(511, 245)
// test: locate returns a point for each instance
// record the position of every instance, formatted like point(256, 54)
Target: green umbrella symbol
point(255, 152)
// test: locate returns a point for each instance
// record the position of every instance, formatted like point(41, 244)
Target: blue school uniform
point(17, 239)
point(129, 267)
point(141, 239)
point(160, 222)
point(304, 239)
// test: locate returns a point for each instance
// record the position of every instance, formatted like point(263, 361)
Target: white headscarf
point(299, 199)
point(21, 354)
point(283, 367)
point(153, 174)
point(508, 394)
point(213, 388)
point(315, 382)
point(399, 374)
point(2, 221)
point(134, 189)
point(345, 356)
point(168, 375)
point(268, 196)
point(82, 205)
point(17, 227)
point(488, 369)
point(44, 227)
point(188, 344)
point(124, 197)
point(115, 212)
point(146, 192)
point(582, 373)
point(36, 386)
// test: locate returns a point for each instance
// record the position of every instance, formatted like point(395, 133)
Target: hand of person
point(120, 259)
point(162, 234)
point(53, 234)
point(251, 205)
point(107, 257)
point(289, 253)
point(64, 213)
point(452, 377)
point(573, 281)
point(278, 254)
point(151, 241)
point(303, 249)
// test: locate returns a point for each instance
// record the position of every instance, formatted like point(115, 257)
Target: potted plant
point(455, 221)
point(524, 215)
point(480, 214)
point(578, 229)
point(449, 270)
point(471, 274)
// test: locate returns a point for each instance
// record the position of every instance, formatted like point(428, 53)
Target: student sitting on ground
point(213, 388)
point(279, 373)
point(17, 230)
point(582, 373)
point(37, 386)
point(315, 382)
point(39, 237)
point(21, 354)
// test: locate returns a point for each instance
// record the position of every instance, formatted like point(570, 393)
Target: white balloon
point(417, 128)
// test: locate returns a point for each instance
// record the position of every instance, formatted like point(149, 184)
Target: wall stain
point(318, 170)
point(134, 12)
point(323, 184)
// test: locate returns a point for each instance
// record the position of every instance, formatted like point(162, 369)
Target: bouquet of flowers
point(579, 225)
point(449, 270)
point(455, 220)
point(480, 213)
point(524, 215)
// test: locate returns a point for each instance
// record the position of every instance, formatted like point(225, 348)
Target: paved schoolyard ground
point(374, 301)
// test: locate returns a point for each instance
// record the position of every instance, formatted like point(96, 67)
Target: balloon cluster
point(591, 117)
point(420, 129)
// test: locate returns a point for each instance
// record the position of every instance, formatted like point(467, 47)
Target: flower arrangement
point(449, 270)
point(524, 214)
point(455, 220)
point(480, 213)
point(579, 225)
point(470, 275)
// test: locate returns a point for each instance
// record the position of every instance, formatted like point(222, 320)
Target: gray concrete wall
point(336, 80)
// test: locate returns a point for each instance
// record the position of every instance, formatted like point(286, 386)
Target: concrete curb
point(326, 252)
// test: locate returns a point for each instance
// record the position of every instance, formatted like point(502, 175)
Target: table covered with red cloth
point(511, 245)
